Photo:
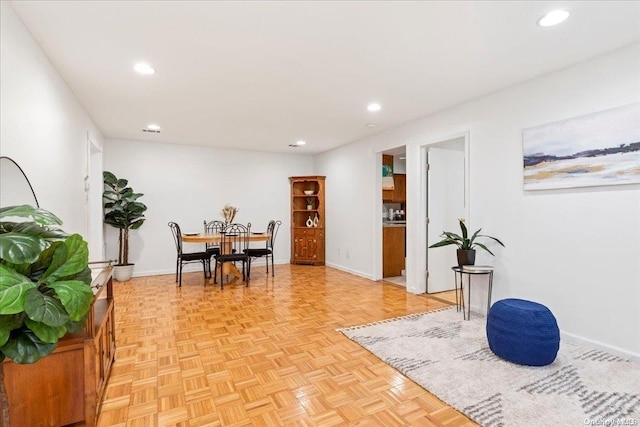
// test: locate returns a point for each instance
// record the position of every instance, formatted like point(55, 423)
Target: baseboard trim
point(349, 270)
point(616, 351)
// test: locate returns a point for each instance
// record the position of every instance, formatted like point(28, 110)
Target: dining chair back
point(213, 249)
point(267, 251)
point(185, 258)
point(233, 244)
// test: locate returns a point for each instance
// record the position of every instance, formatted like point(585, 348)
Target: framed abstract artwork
point(601, 148)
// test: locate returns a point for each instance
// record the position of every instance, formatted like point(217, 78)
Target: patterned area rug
point(451, 358)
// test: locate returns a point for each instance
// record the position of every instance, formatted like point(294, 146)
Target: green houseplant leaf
point(46, 333)
point(463, 241)
point(68, 258)
point(75, 296)
point(26, 347)
point(44, 308)
point(13, 290)
point(20, 248)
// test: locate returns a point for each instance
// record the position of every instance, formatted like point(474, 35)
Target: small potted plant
point(45, 287)
point(124, 212)
point(466, 245)
point(309, 203)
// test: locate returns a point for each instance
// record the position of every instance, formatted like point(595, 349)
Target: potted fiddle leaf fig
point(124, 212)
point(45, 286)
point(466, 245)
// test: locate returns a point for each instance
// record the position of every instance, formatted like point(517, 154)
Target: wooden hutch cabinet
point(67, 386)
point(307, 220)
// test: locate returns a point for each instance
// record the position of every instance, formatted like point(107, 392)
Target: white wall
point(188, 184)
point(576, 251)
point(44, 128)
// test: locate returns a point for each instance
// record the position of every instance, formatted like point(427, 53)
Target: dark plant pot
point(466, 257)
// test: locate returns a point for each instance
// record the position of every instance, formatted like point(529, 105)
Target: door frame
point(416, 217)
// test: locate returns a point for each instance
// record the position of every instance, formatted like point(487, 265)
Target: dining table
point(228, 268)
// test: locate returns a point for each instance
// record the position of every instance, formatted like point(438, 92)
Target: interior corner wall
point(576, 250)
point(44, 128)
point(188, 184)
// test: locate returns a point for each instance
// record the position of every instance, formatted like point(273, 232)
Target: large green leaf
point(46, 333)
point(40, 216)
point(76, 296)
point(83, 276)
point(109, 178)
point(42, 231)
point(69, 258)
point(19, 248)
point(39, 267)
point(13, 289)
point(26, 347)
point(44, 308)
point(7, 324)
point(4, 337)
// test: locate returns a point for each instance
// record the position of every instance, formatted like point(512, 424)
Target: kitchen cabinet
point(67, 386)
point(307, 233)
point(399, 192)
point(393, 250)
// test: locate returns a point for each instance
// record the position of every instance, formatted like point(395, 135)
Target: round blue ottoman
point(523, 332)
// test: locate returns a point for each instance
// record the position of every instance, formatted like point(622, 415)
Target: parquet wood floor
point(266, 355)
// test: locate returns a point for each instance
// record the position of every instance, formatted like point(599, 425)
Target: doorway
point(446, 201)
point(393, 199)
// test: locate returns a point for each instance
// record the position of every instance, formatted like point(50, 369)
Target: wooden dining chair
point(267, 251)
point(213, 249)
point(233, 243)
point(185, 258)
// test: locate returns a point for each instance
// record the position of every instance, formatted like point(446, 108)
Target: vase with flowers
point(466, 245)
point(229, 213)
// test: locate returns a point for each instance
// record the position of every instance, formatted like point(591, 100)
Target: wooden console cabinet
point(67, 386)
point(307, 237)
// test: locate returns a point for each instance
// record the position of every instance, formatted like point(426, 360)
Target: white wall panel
point(188, 184)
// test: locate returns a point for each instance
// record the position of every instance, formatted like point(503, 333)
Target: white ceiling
point(262, 75)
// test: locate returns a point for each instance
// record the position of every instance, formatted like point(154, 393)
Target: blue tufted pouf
point(523, 332)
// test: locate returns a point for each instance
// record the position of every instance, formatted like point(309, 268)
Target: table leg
point(455, 277)
point(469, 298)
point(489, 296)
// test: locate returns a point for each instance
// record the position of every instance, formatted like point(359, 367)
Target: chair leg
point(180, 274)
point(248, 271)
point(221, 278)
point(273, 269)
point(177, 266)
point(204, 268)
point(267, 259)
point(215, 272)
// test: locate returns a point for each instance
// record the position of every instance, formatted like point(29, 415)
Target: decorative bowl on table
point(308, 192)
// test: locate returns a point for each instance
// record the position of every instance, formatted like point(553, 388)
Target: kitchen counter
point(394, 223)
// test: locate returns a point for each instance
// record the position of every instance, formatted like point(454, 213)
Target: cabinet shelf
point(307, 243)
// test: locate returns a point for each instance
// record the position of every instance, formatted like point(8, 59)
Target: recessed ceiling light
point(152, 129)
point(144, 68)
point(299, 143)
point(371, 125)
point(553, 18)
point(374, 107)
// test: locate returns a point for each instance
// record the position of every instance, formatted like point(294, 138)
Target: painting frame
point(595, 149)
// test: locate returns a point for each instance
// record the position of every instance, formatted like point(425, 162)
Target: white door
point(445, 204)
